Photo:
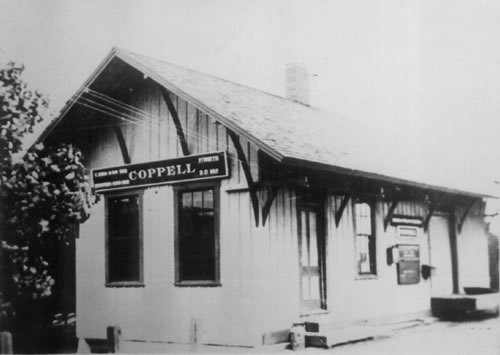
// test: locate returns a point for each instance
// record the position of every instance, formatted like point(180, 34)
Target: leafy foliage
point(42, 198)
point(46, 194)
point(20, 109)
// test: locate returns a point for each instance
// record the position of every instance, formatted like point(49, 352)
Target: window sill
point(366, 277)
point(197, 284)
point(125, 284)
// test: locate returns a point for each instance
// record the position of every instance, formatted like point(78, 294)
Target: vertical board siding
point(165, 144)
point(181, 107)
point(190, 130)
point(472, 249)
point(342, 276)
point(259, 267)
point(105, 150)
point(152, 135)
point(275, 260)
point(408, 208)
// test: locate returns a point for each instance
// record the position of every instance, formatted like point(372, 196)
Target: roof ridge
point(336, 115)
point(295, 134)
point(126, 51)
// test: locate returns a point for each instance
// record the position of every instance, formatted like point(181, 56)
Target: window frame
point(191, 187)
point(372, 274)
point(140, 239)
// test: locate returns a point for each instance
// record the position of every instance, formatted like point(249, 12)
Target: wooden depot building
point(226, 214)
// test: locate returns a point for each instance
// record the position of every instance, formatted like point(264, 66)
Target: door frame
point(451, 245)
point(315, 204)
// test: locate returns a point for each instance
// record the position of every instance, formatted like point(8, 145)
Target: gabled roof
point(294, 133)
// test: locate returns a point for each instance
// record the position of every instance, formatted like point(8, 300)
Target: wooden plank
point(150, 121)
point(143, 143)
point(219, 133)
point(146, 119)
point(211, 134)
point(236, 188)
point(276, 337)
point(194, 130)
point(271, 195)
point(159, 123)
point(181, 106)
point(253, 158)
point(187, 119)
point(191, 127)
point(454, 251)
point(432, 208)
point(202, 132)
point(233, 160)
point(464, 215)
point(114, 335)
point(390, 212)
point(175, 118)
point(248, 175)
point(340, 211)
point(122, 144)
point(164, 148)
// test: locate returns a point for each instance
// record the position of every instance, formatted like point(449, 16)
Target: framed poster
point(409, 264)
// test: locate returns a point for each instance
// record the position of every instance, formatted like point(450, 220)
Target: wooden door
point(312, 259)
point(440, 258)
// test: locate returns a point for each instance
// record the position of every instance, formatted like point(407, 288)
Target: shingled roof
point(297, 134)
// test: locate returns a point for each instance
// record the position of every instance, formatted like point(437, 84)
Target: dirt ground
point(473, 337)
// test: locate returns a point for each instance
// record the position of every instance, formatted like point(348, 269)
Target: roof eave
point(177, 91)
point(117, 53)
point(352, 172)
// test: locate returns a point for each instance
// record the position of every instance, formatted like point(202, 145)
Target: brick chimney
point(297, 83)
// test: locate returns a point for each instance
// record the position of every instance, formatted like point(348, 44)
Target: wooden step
point(334, 337)
point(325, 334)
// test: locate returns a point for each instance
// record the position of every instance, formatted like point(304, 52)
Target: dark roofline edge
point(177, 91)
point(117, 53)
point(352, 172)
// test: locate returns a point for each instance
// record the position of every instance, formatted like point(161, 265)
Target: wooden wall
point(150, 134)
point(374, 297)
point(259, 265)
point(259, 270)
point(472, 245)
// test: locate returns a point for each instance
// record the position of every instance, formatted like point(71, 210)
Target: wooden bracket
point(432, 208)
point(454, 250)
point(271, 195)
point(340, 211)
point(464, 215)
point(121, 142)
point(390, 213)
point(177, 122)
point(252, 189)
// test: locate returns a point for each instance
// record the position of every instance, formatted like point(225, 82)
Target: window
point(197, 239)
point(365, 238)
point(124, 240)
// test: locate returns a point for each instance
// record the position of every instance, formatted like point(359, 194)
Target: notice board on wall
point(409, 264)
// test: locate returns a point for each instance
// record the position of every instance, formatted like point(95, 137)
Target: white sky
point(430, 66)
